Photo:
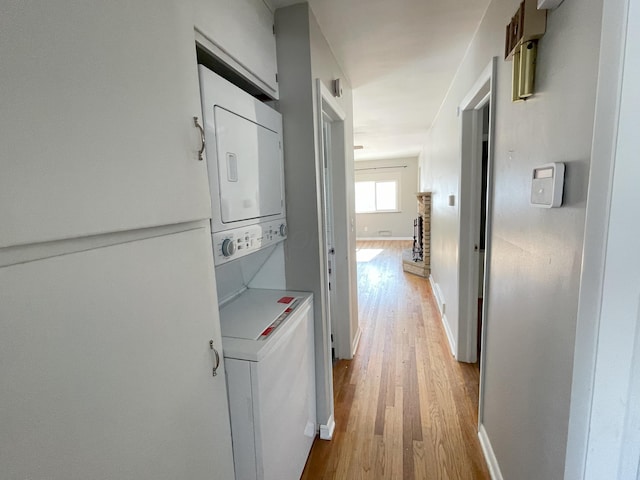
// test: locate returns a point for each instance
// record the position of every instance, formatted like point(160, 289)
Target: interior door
point(96, 125)
point(327, 213)
point(107, 370)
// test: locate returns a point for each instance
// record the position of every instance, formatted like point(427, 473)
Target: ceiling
point(400, 57)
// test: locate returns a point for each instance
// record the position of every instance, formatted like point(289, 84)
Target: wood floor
point(405, 409)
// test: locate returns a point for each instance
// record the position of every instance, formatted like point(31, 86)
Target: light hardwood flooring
point(404, 408)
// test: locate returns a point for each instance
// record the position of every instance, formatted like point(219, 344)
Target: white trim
point(450, 337)
point(630, 454)
point(38, 251)
point(369, 212)
point(214, 49)
point(610, 72)
point(356, 341)
point(477, 95)
point(482, 93)
point(326, 431)
point(383, 238)
point(614, 425)
point(489, 455)
point(488, 245)
point(326, 97)
point(437, 293)
point(322, 96)
point(339, 304)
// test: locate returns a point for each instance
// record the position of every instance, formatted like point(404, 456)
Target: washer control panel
point(238, 242)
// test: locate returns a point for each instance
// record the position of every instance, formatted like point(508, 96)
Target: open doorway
point(340, 328)
point(477, 112)
point(336, 254)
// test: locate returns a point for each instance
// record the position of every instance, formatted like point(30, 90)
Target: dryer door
point(249, 168)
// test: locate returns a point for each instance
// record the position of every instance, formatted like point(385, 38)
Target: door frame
point(482, 92)
point(603, 432)
point(326, 104)
point(328, 223)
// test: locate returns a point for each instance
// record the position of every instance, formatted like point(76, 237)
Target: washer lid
point(249, 315)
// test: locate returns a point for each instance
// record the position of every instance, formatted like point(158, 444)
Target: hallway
point(404, 407)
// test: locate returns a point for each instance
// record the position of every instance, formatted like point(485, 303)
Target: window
point(377, 196)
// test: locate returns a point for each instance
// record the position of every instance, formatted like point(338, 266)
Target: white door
point(473, 122)
point(327, 217)
point(107, 368)
point(96, 123)
point(242, 33)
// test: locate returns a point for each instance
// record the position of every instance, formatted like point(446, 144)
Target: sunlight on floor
point(367, 254)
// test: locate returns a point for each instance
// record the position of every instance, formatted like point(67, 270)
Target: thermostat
point(547, 183)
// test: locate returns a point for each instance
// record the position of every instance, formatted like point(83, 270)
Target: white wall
point(536, 256)
point(400, 223)
point(303, 56)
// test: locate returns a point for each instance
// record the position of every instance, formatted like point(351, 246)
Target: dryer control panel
point(238, 242)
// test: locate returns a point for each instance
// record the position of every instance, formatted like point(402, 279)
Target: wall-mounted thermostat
point(547, 183)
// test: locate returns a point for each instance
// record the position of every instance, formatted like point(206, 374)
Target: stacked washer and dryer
point(267, 334)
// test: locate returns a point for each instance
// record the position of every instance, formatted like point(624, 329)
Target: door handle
point(217, 356)
point(332, 251)
point(199, 127)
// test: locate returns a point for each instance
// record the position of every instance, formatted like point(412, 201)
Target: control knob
point(228, 247)
point(283, 229)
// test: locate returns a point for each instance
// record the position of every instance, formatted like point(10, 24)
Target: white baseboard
point(437, 293)
point(356, 341)
point(447, 330)
point(489, 456)
point(326, 431)
point(384, 238)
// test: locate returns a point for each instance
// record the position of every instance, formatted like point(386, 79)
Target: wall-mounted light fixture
point(524, 70)
point(521, 46)
point(337, 88)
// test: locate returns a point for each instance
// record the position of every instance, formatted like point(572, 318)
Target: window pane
point(386, 196)
point(365, 197)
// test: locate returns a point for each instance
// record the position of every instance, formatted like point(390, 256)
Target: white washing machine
point(267, 339)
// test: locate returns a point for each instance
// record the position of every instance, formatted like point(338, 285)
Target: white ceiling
point(400, 57)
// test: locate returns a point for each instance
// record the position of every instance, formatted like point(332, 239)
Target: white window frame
point(381, 177)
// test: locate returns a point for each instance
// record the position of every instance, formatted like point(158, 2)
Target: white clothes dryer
point(268, 345)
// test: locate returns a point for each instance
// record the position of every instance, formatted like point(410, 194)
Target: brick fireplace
point(418, 259)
